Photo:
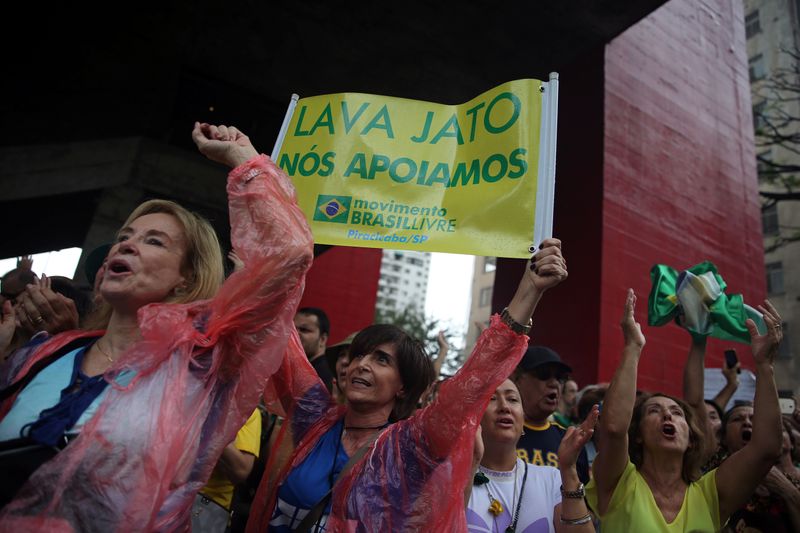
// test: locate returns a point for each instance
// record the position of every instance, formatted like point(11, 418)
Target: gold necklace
point(102, 351)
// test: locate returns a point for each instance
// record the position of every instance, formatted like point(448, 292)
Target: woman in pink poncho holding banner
point(414, 466)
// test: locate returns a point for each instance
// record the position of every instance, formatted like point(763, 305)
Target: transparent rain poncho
point(200, 369)
point(412, 479)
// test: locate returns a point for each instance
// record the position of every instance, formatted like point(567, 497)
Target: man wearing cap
point(539, 377)
point(314, 327)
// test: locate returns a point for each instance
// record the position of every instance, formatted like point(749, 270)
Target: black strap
point(315, 513)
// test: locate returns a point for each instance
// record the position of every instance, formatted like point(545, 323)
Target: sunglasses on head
point(546, 372)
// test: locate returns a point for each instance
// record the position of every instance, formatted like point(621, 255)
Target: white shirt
point(541, 494)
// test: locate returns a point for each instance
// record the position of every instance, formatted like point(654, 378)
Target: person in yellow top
point(211, 509)
point(646, 473)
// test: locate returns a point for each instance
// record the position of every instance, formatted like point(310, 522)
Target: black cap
point(94, 261)
point(541, 355)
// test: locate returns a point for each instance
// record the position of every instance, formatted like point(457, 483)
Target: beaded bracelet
point(577, 521)
point(578, 493)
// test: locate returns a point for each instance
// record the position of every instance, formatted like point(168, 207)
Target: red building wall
point(343, 282)
point(679, 169)
point(675, 183)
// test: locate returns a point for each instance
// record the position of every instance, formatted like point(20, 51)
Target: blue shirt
point(309, 482)
point(44, 392)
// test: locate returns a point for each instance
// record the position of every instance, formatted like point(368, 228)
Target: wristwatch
point(578, 493)
point(516, 327)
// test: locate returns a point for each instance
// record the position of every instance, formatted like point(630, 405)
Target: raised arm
point(444, 347)
point(612, 434)
point(463, 397)
point(731, 385)
point(693, 389)
point(271, 237)
point(572, 511)
point(739, 474)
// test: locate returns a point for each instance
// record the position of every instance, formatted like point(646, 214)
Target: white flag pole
point(276, 150)
point(546, 180)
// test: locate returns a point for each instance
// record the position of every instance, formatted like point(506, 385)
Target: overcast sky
point(448, 295)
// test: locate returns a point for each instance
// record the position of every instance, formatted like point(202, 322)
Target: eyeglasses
point(547, 372)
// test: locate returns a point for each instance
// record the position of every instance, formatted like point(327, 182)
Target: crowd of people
point(170, 397)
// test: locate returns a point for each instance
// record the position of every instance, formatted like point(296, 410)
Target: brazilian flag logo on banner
point(332, 208)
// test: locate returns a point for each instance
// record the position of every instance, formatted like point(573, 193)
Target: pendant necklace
point(496, 508)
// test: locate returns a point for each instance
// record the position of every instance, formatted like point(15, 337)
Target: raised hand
point(576, 438)
point(547, 268)
point(765, 347)
point(441, 341)
point(731, 374)
point(631, 330)
point(39, 308)
point(223, 144)
point(25, 262)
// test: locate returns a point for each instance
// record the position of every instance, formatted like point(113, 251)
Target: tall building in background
point(403, 281)
point(771, 28)
point(480, 307)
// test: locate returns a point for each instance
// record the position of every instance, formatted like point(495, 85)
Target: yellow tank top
point(633, 508)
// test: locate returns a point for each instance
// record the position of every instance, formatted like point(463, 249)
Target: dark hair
point(416, 368)
point(322, 318)
point(588, 399)
point(23, 276)
point(727, 416)
point(692, 457)
point(713, 404)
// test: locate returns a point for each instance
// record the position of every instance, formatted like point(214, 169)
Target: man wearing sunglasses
point(540, 376)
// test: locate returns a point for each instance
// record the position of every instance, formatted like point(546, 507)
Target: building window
point(769, 219)
point(758, 115)
point(757, 70)
point(752, 25)
point(775, 278)
point(489, 264)
point(485, 297)
point(784, 348)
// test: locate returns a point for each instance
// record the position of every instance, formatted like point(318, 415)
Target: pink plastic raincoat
point(412, 479)
point(200, 369)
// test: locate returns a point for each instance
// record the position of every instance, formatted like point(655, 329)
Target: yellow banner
point(382, 172)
